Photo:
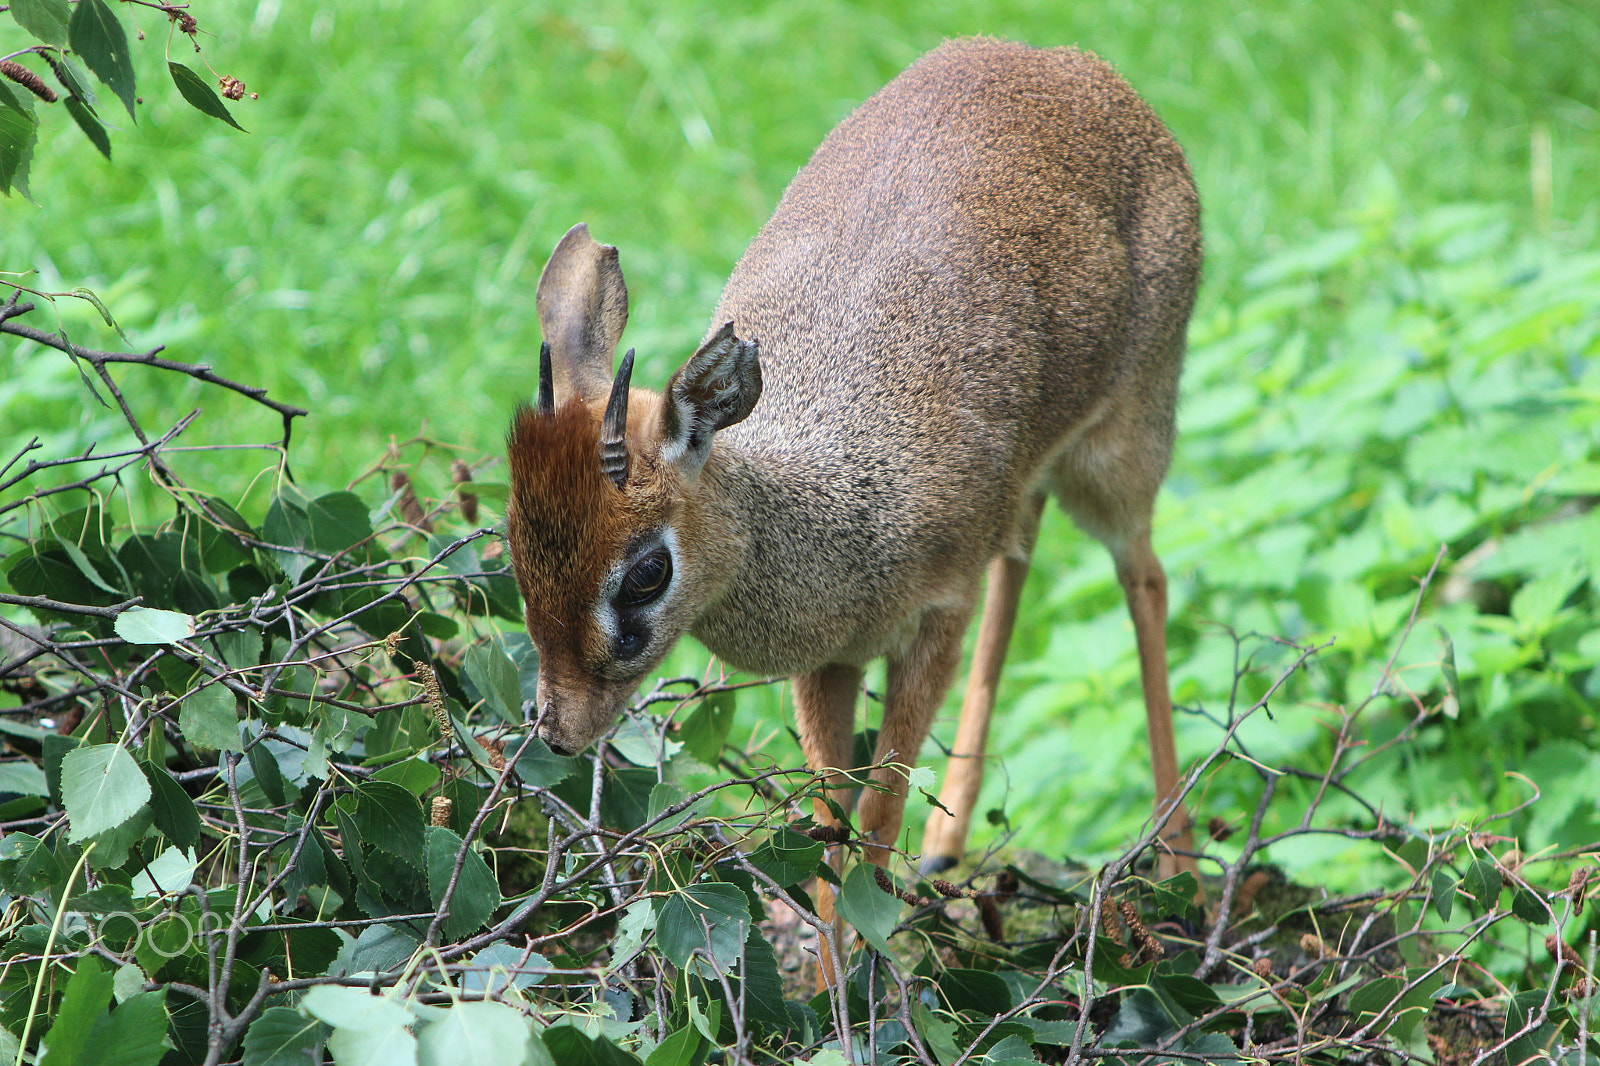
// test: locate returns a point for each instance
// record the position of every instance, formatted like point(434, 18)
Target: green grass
point(1400, 223)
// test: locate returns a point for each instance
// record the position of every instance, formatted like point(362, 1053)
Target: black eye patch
point(629, 643)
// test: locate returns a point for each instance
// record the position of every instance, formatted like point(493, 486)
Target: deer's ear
point(715, 389)
point(583, 305)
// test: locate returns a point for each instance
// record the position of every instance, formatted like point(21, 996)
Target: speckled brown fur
point(975, 293)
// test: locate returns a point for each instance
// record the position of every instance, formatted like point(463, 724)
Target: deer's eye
point(646, 580)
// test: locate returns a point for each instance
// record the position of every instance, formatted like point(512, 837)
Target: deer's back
point(943, 296)
point(956, 252)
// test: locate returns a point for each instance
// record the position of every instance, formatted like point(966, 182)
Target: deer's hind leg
point(1107, 482)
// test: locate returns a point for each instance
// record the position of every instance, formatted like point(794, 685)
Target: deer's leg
point(945, 839)
point(1144, 583)
point(1108, 485)
point(918, 679)
point(825, 715)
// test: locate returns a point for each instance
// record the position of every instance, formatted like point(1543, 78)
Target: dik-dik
point(974, 295)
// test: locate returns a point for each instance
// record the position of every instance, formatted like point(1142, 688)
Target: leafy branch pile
point(269, 796)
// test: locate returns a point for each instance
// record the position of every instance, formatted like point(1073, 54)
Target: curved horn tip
point(614, 428)
point(547, 401)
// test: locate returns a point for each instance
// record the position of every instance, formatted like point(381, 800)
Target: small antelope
point(975, 294)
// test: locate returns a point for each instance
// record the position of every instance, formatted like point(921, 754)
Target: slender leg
point(1144, 583)
point(945, 839)
point(918, 680)
point(825, 714)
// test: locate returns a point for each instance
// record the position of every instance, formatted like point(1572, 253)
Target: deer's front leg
point(919, 677)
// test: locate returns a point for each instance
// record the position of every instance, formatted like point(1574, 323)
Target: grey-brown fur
point(925, 345)
point(976, 291)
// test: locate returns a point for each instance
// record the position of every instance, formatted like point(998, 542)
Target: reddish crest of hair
point(566, 520)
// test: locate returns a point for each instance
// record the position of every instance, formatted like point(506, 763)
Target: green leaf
point(54, 747)
point(201, 95)
point(625, 803)
point(87, 568)
point(638, 922)
point(570, 1047)
point(390, 819)
point(88, 993)
point(134, 1034)
point(477, 892)
point(762, 987)
point(501, 966)
point(286, 525)
point(937, 1030)
point(368, 1030)
point(127, 982)
point(705, 731)
point(167, 874)
point(683, 1048)
point(416, 776)
point(171, 808)
point(712, 918)
point(27, 865)
point(77, 83)
point(19, 132)
point(350, 843)
point(97, 37)
point(1370, 1000)
point(101, 787)
point(978, 991)
point(787, 856)
point(480, 1034)
point(1483, 881)
point(540, 767)
point(282, 1036)
point(145, 625)
point(1536, 1044)
point(209, 718)
point(1444, 894)
point(1176, 895)
point(668, 793)
point(45, 19)
point(15, 99)
point(391, 1046)
point(872, 911)
point(351, 1008)
point(639, 739)
point(379, 948)
point(495, 678)
point(24, 778)
point(338, 521)
point(112, 846)
point(264, 765)
point(1144, 1019)
point(1527, 905)
point(1415, 1005)
point(220, 529)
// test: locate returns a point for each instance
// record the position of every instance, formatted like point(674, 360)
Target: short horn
point(614, 430)
point(547, 391)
